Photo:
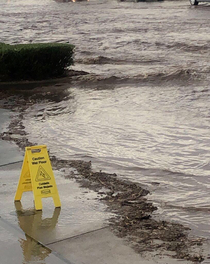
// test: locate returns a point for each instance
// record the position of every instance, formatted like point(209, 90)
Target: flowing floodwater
point(148, 117)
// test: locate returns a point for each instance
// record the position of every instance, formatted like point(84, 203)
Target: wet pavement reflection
point(32, 221)
point(18, 247)
point(32, 250)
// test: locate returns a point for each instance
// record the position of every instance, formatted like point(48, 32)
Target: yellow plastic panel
point(38, 170)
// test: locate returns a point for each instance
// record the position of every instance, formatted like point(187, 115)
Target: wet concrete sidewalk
point(76, 233)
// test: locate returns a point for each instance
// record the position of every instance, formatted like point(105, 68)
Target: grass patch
point(34, 61)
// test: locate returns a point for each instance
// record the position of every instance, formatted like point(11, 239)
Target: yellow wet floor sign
point(37, 176)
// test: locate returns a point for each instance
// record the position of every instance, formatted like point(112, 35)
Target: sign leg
point(57, 201)
point(18, 194)
point(38, 203)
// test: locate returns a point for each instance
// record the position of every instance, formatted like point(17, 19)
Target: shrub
point(34, 61)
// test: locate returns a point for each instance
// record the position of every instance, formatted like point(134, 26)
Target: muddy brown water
point(147, 116)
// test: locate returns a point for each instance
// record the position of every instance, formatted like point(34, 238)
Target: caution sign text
point(37, 176)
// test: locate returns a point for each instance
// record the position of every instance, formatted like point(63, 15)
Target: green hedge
point(34, 61)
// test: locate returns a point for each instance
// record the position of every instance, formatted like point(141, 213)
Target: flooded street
point(147, 118)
